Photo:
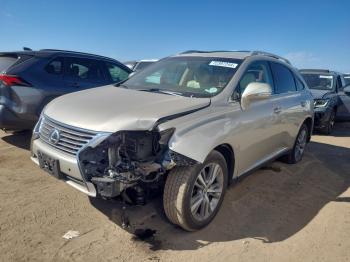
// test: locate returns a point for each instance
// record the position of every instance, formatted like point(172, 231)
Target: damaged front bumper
point(110, 164)
point(322, 116)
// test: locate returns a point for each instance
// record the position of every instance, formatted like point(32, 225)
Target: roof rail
point(74, 52)
point(58, 50)
point(270, 55)
point(251, 53)
point(203, 51)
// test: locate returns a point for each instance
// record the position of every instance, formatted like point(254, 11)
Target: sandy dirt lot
point(279, 213)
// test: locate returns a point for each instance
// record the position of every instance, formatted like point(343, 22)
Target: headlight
point(321, 102)
point(37, 128)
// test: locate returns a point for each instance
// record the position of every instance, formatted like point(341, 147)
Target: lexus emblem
point(54, 137)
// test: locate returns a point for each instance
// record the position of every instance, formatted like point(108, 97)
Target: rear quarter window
point(6, 62)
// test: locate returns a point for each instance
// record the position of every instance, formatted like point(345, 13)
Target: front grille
point(70, 139)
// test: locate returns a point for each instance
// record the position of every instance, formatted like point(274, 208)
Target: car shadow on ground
point(18, 139)
point(271, 205)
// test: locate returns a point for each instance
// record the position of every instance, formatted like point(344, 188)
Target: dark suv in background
point(344, 97)
point(331, 101)
point(31, 79)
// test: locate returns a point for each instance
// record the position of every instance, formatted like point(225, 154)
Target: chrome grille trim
point(71, 140)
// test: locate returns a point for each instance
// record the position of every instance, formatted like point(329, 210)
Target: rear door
point(56, 78)
point(291, 103)
point(343, 111)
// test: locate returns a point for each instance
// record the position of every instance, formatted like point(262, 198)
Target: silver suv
point(187, 125)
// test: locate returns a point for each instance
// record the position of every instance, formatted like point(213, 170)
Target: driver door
point(258, 126)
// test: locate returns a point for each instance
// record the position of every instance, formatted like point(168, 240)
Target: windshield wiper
point(157, 90)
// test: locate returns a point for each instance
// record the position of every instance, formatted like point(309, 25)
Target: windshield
point(319, 81)
point(187, 76)
point(347, 80)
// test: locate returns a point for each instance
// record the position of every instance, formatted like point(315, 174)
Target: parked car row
point(331, 91)
point(186, 126)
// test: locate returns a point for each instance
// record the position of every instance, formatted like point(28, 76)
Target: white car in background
point(139, 65)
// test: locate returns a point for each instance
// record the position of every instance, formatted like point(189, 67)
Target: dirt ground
point(279, 213)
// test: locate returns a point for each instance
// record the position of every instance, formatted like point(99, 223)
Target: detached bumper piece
point(107, 187)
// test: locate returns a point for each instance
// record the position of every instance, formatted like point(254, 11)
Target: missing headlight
point(127, 158)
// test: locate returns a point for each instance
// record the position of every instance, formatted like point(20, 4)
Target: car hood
point(110, 109)
point(316, 93)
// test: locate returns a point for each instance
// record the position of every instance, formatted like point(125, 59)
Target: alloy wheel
point(207, 191)
point(300, 144)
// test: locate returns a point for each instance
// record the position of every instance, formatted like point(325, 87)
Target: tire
point(183, 186)
point(330, 124)
point(294, 156)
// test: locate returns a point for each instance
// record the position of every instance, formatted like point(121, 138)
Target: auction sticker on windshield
point(327, 77)
point(223, 64)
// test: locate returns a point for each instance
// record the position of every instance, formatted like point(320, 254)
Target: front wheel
point(330, 124)
point(193, 195)
point(296, 154)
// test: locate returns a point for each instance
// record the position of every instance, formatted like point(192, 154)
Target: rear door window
point(6, 62)
point(283, 77)
point(84, 70)
point(55, 67)
point(116, 72)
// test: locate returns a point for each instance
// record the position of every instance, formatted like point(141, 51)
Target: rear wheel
point(193, 195)
point(298, 150)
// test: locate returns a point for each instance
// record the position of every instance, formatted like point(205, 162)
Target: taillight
point(10, 80)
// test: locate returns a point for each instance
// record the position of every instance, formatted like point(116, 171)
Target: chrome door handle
point(277, 110)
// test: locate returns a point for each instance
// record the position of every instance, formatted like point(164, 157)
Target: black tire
point(292, 157)
point(178, 192)
point(330, 124)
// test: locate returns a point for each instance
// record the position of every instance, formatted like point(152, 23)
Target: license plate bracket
point(50, 165)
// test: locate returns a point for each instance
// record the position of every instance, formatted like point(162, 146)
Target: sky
point(312, 34)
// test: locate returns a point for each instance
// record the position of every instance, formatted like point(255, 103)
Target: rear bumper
point(10, 121)
point(68, 165)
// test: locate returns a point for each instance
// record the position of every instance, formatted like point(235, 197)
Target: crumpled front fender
point(196, 136)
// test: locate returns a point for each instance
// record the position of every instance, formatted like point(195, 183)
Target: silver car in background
point(188, 125)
